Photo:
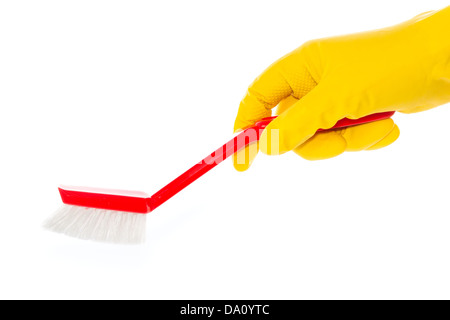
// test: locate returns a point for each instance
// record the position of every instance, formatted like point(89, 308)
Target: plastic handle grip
point(240, 141)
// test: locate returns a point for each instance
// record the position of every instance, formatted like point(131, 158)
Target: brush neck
point(243, 139)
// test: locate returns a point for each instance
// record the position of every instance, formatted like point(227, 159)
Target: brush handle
point(246, 137)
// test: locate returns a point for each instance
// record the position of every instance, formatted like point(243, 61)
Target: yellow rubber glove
point(404, 68)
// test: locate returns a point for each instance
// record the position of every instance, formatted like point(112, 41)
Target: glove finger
point(364, 136)
point(287, 76)
point(262, 95)
point(322, 145)
point(243, 159)
point(283, 79)
point(390, 138)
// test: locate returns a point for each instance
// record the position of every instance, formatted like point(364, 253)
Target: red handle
point(240, 141)
point(343, 123)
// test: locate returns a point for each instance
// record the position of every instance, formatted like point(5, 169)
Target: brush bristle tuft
point(99, 225)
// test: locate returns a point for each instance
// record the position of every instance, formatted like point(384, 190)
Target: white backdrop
point(129, 94)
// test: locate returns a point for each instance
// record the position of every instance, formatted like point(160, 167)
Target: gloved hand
point(404, 68)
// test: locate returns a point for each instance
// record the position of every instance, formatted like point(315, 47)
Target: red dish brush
point(120, 216)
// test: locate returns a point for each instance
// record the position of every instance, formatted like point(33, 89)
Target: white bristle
point(99, 225)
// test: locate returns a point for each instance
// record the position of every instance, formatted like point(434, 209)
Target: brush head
point(102, 215)
point(99, 225)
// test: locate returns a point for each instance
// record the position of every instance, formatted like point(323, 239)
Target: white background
point(129, 94)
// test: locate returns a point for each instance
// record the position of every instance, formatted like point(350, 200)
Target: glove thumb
point(316, 110)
